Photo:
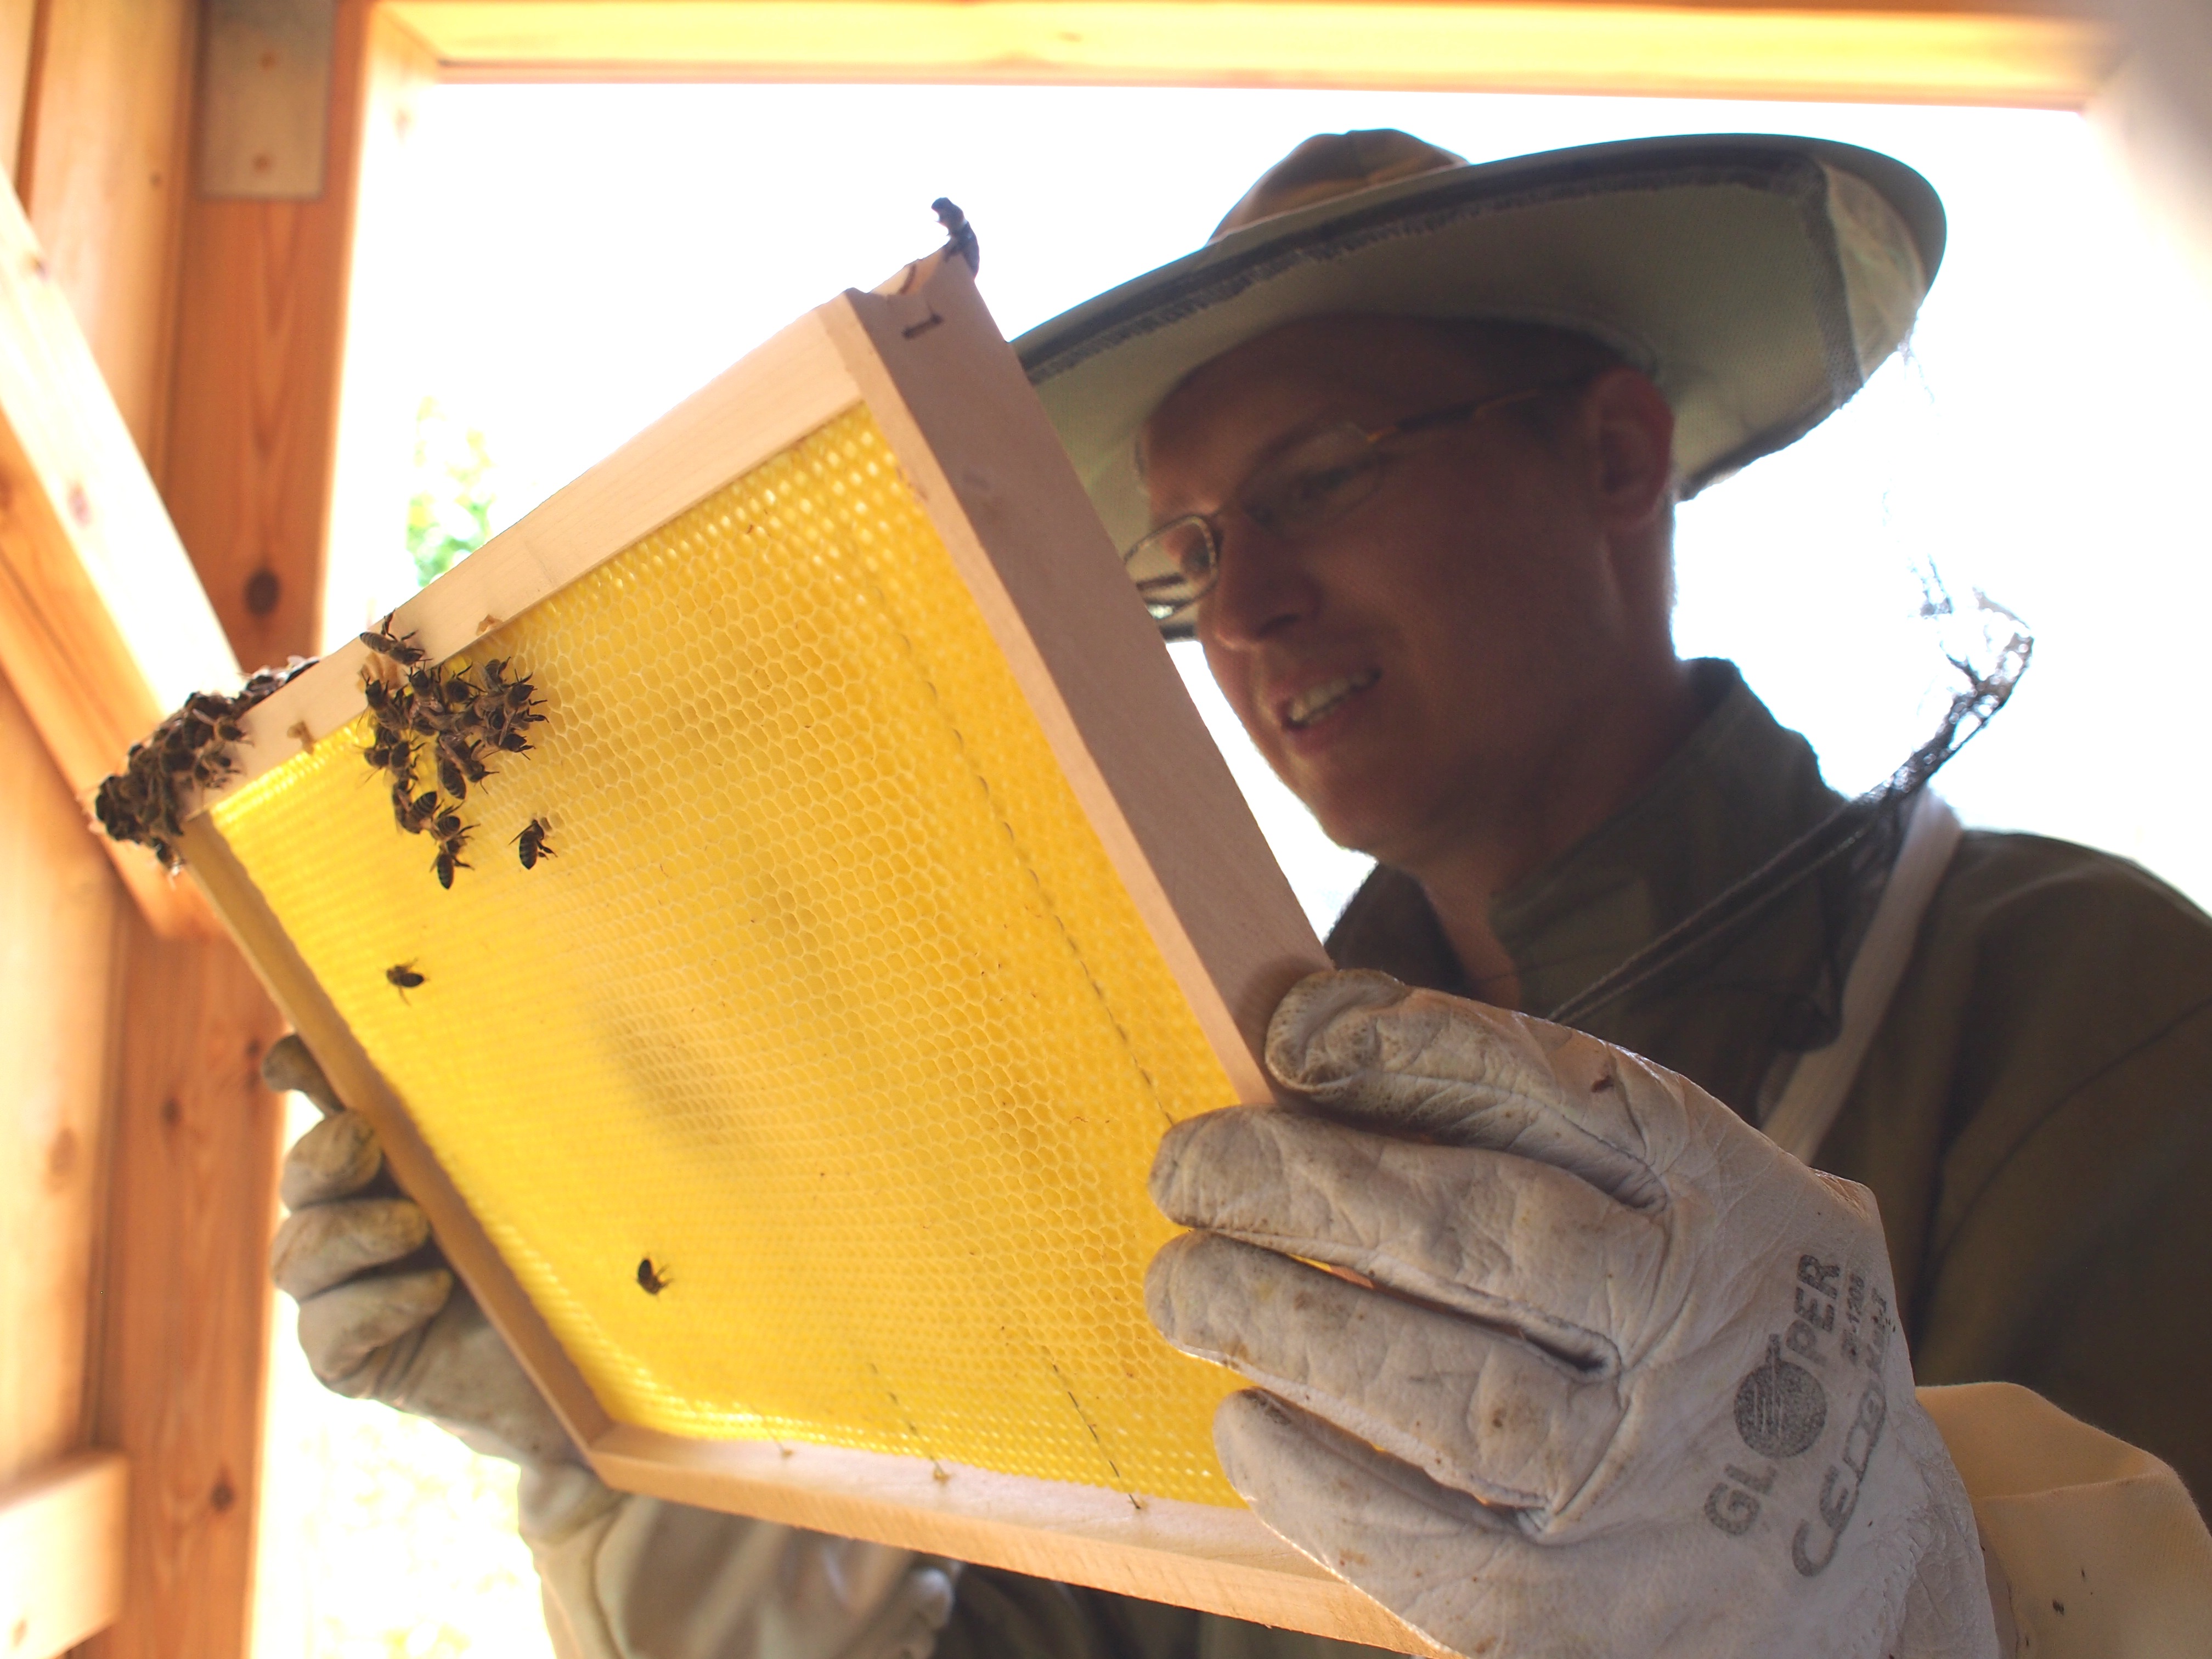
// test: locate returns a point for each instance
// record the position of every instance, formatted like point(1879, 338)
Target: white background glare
point(575, 259)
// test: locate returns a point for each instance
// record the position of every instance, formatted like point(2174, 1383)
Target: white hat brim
point(1758, 280)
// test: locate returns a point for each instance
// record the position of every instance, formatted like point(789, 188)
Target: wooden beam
point(103, 135)
point(184, 1351)
point(18, 18)
point(104, 627)
point(57, 965)
point(1970, 51)
point(61, 1554)
point(252, 428)
point(260, 312)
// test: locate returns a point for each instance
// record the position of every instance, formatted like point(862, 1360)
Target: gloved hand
point(381, 1316)
point(1616, 1375)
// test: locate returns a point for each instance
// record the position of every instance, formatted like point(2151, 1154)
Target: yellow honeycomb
point(829, 1001)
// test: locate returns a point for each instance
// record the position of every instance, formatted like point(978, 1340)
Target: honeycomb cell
point(830, 1002)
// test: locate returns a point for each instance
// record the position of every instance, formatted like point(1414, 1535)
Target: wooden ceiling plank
point(1972, 52)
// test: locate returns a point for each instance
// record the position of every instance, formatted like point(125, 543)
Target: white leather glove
point(1627, 1380)
point(381, 1316)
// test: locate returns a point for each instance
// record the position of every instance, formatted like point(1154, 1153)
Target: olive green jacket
point(2034, 1115)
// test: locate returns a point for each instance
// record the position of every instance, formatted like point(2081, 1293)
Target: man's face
point(1418, 666)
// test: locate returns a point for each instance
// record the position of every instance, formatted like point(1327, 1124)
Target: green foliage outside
point(449, 512)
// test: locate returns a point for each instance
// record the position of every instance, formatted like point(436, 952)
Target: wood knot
point(61, 1158)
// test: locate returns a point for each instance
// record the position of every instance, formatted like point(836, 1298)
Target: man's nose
point(1264, 587)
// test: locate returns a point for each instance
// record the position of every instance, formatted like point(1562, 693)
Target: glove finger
point(339, 1156)
point(1421, 1549)
point(1477, 1409)
point(288, 1068)
point(341, 1328)
point(1372, 1052)
point(463, 1376)
point(325, 1245)
point(1502, 1238)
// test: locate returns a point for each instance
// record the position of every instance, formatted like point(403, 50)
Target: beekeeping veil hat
point(1758, 280)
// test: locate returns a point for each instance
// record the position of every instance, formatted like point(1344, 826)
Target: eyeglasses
point(1311, 485)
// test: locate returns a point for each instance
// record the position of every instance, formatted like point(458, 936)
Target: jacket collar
point(1742, 788)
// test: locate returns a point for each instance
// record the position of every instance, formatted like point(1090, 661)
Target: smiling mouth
point(1315, 704)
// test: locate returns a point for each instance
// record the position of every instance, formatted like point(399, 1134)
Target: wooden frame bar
point(1969, 51)
point(976, 449)
point(61, 1553)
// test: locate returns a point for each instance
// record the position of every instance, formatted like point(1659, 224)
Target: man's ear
point(1630, 433)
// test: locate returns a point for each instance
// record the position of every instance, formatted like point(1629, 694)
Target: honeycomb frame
point(972, 444)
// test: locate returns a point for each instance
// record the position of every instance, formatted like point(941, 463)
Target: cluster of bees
point(436, 725)
point(429, 721)
point(189, 751)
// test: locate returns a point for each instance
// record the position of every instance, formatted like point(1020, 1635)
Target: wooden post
point(217, 324)
point(251, 401)
point(252, 422)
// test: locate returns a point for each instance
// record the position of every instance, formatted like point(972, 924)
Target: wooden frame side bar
point(976, 444)
point(104, 626)
point(61, 1553)
point(1963, 52)
point(1194, 1555)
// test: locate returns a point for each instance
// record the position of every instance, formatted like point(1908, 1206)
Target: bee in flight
point(404, 978)
point(651, 1279)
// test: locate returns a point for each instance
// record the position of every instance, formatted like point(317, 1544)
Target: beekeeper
point(1607, 1368)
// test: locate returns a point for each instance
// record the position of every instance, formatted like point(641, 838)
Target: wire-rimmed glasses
point(1311, 484)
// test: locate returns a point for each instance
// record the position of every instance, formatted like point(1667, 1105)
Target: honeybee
point(459, 764)
point(413, 814)
point(381, 640)
point(115, 810)
point(651, 1279)
point(402, 978)
point(959, 235)
point(390, 753)
point(443, 866)
point(533, 843)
